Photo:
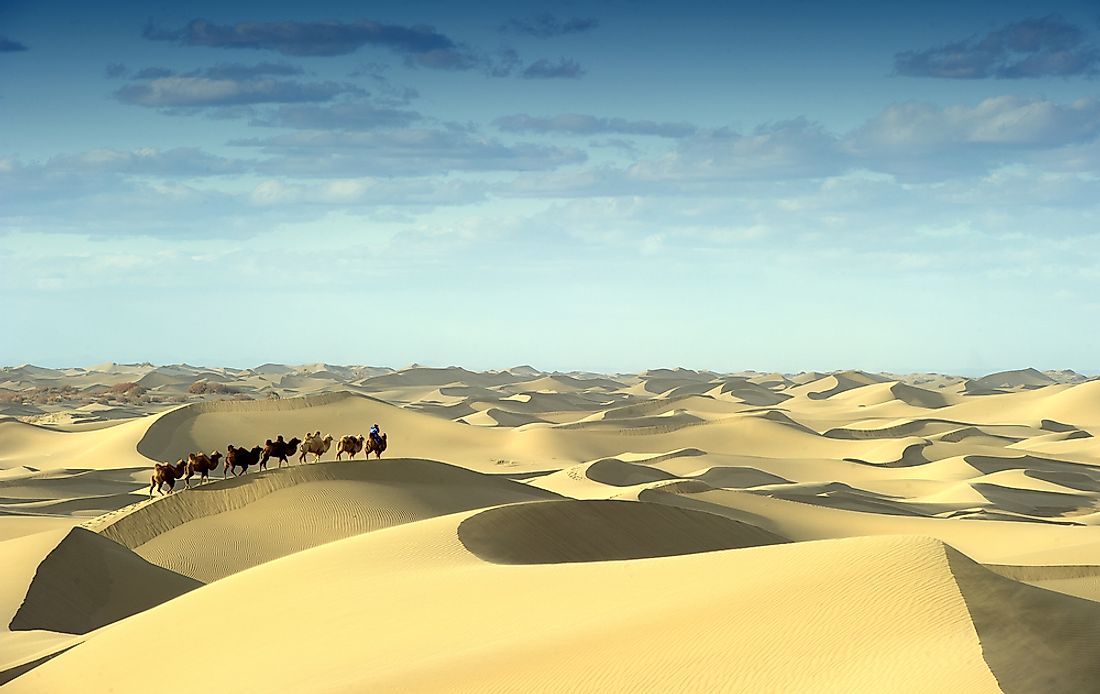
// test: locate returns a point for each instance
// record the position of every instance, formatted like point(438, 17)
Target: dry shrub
point(210, 388)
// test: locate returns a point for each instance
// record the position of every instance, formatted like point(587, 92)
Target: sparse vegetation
point(128, 388)
point(210, 388)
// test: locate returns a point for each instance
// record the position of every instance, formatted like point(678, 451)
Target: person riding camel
point(376, 434)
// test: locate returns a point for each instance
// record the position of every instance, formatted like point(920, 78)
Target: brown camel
point(376, 446)
point(316, 445)
point(202, 465)
point(240, 458)
point(164, 473)
point(349, 444)
point(279, 449)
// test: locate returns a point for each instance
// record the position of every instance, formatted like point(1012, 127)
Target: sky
point(605, 186)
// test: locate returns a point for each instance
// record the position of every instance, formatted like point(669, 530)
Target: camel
point(316, 445)
point(375, 446)
point(349, 444)
point(201, 464)
point(240, 458)
point(164, 473)
point(279, 449)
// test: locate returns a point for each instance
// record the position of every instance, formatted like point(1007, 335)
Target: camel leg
point(152, 482)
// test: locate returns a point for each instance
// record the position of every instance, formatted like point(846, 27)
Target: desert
point(667, 530)
point(550, 346)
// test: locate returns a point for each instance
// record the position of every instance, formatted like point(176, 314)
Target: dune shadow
point(1032, 502)
point(1033, 639)
point(567, 531)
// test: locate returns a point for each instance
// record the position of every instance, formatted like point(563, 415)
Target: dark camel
point(164, 473)
point(202, 465)
point(240, 458)
point(279, 449)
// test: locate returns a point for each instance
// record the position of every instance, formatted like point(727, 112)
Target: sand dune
point(697, 405)
point(88, 581)
point(59, 583)
point(496, 417)
point(1020, 378)
point(988, 542)
point(223, 528)
point(925, 616)
point(673, 529)
point(750, 392)
point(600, 479)
point(826, 387)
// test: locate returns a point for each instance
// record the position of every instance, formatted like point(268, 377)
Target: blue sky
point(605, 186)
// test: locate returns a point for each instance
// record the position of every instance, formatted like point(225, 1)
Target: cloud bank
point(581, 124)
point(546, 26)
point(10, 46)
point(1036, 47)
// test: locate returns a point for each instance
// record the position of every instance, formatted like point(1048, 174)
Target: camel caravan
point(202, 464)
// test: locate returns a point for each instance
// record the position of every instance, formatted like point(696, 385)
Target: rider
point(375, 434)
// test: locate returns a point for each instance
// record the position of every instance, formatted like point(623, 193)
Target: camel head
point(215, 457)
